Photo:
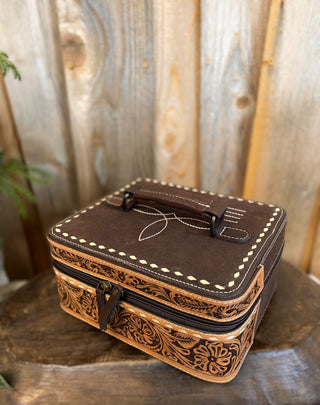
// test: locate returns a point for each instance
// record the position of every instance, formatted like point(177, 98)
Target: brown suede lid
point(173, 243)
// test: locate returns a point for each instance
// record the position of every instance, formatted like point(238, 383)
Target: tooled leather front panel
point(212, 357)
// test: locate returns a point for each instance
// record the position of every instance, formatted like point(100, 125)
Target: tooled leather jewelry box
point(182, 274)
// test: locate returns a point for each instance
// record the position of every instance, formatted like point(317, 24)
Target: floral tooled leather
point(212, 357)
point(223, 311)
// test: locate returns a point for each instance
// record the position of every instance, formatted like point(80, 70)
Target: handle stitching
point(177, 196)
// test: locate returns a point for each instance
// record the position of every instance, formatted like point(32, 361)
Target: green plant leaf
point(31, 173)
point(6, 65)
point(14, 198)
point(3, 383)
point(19, 188)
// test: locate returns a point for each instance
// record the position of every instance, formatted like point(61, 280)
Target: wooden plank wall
point(177, 75)
point(284, 164)
point(232, 38)
point(107, 49)
point(218, 95)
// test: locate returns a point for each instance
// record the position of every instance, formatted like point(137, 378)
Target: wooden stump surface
point(49, 357)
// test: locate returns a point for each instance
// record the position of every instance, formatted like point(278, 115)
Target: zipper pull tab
point(106, 308)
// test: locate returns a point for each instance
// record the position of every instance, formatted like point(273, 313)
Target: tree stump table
point(49, 357)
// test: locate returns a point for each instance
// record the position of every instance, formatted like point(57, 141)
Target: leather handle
point(201, 205)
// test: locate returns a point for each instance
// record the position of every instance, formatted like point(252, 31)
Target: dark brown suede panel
point(174, 245)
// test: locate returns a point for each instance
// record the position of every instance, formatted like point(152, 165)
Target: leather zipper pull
point(107, 307)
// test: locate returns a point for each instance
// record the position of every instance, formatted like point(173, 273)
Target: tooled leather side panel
point(169, 295)
point(212, 357)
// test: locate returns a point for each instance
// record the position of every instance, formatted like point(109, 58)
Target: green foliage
point(3, 383)
point(11, 173)
point(6, 66)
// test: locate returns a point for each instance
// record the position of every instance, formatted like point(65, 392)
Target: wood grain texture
point(265, 79)
point(62, 360)
point(30, 34)
point(313, 255)
point(310, 252)
point(315, 258)
point(176, 35)
point(108, 62)
point(287, 122)
point(232, 38)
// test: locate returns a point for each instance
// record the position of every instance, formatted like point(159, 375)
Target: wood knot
point(269, 61)
point(73, 50)
point(243, 102)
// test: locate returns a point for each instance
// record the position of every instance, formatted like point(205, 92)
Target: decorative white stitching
point(177, 196)
point(140, 238)
point(180, 219)
point(231, 216)
point(145, 212)
point(163, 269)
point(257, 253)
point(166, 218)
point(237, 214)
point(138, 266)
point(236, 209)
point(233, 237)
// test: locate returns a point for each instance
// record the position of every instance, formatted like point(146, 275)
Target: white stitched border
point(168, 277)
point(262, 245)
point(275, 213)
point(136, 265)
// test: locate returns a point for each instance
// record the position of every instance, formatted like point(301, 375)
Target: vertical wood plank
point(287, 129)
point(232, 38)
point(107, 51)
point(314, 258)
point(30, 34)
point(261, 116)
point(177, 42)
